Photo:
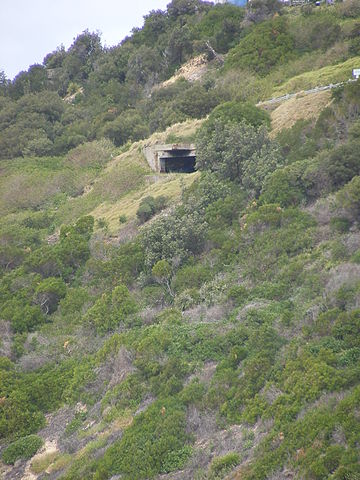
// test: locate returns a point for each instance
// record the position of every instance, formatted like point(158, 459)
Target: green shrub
point(339, 251)
point(313, 32)
point(193, 393)
point(24, 448)
point(356, 257)
point(25, 318)
point(18, 344)
point(191, 276)
point(111, 310)
point(238, 152)
point(153, 442)
point(38, 220)
point(269, 44)
point(176, 460)
point(102, 223)
point(76, 423)
point(348, 198)
point(127, 395)
point(237, 294)
point(128, 126)
point(340, 224)
point(285, 185)
point(149, 206)
point(347, 328)
point(221, 465)
point(235, 112)
point(349, 9)
point(49, 292)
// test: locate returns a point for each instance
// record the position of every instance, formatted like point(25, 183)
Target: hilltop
point(179, 326)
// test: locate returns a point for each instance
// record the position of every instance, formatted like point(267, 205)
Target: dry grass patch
point(299, 108)
point(42, 463)
point(183, 132)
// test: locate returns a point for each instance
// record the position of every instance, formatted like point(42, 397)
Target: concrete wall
point(152, 157)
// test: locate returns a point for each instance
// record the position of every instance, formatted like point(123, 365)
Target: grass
point(299, 108)
point(50, 182)
point(60, 463)
point(42, 463)
point(184, 132)
point(169, 185)
point(323, 76)
point(140, 184)
point(120, 187)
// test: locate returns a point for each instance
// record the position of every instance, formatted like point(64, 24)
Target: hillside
point(175, 326)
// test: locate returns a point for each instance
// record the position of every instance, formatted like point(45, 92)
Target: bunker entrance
point(173, 157)
point(179, 164)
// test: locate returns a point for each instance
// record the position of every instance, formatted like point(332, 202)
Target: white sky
point(30, 29)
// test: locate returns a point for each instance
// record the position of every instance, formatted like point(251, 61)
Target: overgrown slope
point(198, 326)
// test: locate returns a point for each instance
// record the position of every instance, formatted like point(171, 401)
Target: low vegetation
point(204, 325)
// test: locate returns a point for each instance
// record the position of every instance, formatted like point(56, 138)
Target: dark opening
point(178, 164)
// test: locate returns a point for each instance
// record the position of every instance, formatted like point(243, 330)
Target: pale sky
point(30, 29)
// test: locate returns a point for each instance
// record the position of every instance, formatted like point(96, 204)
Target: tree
point(128, 126)
point(267, 45)
point(222, 26)
point(174, 237)
point(238, 152)
point(196, 101)
point(180, 8)
point(259, 10)
point(55, 59)
point(179, 45)
point(154, 26)
point(48, 294)
point(236, 112)
point(81, 56)
point(348, 198)
point(144, 66)
point(4, 83)
point(162, 272)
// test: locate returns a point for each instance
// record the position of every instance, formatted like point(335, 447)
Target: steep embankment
point(185, 327)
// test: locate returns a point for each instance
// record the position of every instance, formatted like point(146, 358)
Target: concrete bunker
point(179, 157)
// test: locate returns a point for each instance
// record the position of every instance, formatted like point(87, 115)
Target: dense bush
point(235, 112)
point(348, 198)
point(315, 31)
point(237, 305)
point(149, 206)
point(267, 45)
point(48, 294)
point(310, 179)
point(238, 152)
point(150, 446)
point(93, 154)
point(174, 237)
point(111, 310)
point(24, 448)
point(220, 465)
